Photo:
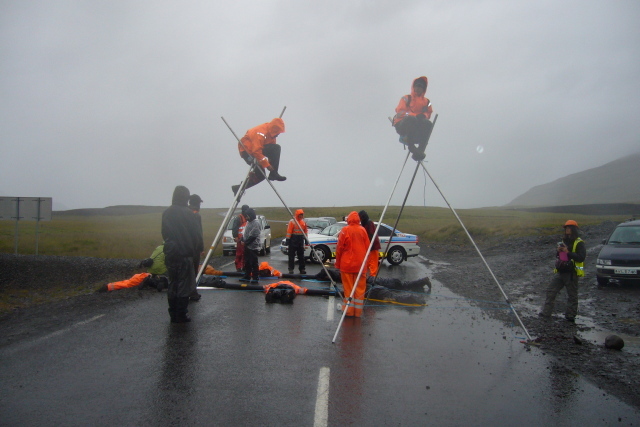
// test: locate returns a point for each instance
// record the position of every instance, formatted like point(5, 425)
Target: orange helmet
point(570, 222)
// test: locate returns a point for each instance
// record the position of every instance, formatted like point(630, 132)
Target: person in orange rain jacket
point(265, 270)
point(351, 252)
point(259, 144)
point(296, 240)
point(374, 253)
point(237, 231)
point(412, 118)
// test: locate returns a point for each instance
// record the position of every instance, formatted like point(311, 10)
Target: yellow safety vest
point(578, 265)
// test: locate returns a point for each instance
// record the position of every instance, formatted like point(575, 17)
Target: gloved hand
point(288, 242)
point(306, 242)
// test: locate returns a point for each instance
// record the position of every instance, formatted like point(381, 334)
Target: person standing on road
point(237, 231)
point(412, 119)
point(252, 244)
point(259, 144)
point(351, 252)
point(183, 242)
point(570, 256)
point(296, 232)
point(194, 204)
point(374, 253)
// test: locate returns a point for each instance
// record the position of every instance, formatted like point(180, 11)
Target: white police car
point(402, 245)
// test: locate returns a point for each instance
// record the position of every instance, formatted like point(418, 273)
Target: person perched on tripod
point(412, 119)
point(259, 145)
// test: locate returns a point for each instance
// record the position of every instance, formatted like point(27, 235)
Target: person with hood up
point(296, 232)
point(570, 255)
point(251, 239)
point(194, 204)
point(412, 119)
point(183, 242)
point(237, 231)
point(351, 252)
point(374, 253)
point(259, 144)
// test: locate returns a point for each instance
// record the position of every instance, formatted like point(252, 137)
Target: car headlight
point(603, 261)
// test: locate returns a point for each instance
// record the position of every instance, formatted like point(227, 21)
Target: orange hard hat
point(570, 222)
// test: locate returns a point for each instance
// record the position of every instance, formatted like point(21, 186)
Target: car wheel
point(263, 249)
point(268, 250)
point(321, 252)
point(396, 255)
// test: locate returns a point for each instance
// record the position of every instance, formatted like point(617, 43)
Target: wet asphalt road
point(244, 362)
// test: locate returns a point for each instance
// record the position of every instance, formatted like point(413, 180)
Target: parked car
point(619, 258)
point(229, 244)
point(316, 225)
point(402, 245)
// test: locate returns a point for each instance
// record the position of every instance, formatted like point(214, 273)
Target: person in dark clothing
point(374, 253)
point(251, 239)
point(570, 256)
point(183, 242)
point(194, 204)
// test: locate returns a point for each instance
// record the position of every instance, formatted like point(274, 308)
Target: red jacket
point(412, 105)
point(256, 138)
point(353, 243)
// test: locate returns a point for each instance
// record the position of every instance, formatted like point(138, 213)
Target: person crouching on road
point(374, 253)
point(351, 252)
point(251, 239)
point(182, 244)
point(237, 231)
point(296, 232)
point(259, 144)
point(570, 255)
point(412, 119)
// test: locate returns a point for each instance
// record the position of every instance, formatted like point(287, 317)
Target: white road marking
point(25, 346)
point(330, 309)
point(322, 399)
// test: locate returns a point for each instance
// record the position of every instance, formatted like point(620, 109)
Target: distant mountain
point(614, 182)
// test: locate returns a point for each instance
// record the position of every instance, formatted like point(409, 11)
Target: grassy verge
point(135, 236)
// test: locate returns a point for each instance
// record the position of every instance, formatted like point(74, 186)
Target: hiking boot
point(275, 176)
point(245, 278)
point(570, 319)
point(418, 156)
point(181, 318)
point(195, 297)
point(235, 189)
point(253, 281)
point(544, 316)
point(290, 271)
point(303, 271)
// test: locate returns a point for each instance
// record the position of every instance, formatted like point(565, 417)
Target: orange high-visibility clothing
point(265, 266)
point(256, 138)
point(211, 271)
point(299, 289)
point(354, 309)
point(412, 105)
point(135, 280)
point(299, 228)
point(353, 245)
point(372, 263)
point(242, 225)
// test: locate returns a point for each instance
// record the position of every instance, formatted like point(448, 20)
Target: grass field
point(134, 236)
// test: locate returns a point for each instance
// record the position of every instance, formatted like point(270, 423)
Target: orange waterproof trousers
point(348, 281)
point(372, 263)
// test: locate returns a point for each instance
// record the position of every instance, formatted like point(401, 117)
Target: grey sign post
point(26, 208)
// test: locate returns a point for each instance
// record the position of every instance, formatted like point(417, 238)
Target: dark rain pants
point(296, 249)
point(562, 280)
point(417, 130)
point(272, 152)
point(182, 283)
point(251, 263)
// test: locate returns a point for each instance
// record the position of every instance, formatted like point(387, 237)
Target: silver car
point(229, 244)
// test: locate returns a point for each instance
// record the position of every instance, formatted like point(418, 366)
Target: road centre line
point(321, 417)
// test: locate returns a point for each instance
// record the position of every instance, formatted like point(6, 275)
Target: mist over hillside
point(614, 182)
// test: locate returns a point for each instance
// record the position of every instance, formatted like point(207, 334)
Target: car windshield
point(332, 230)
point(317, 223)
point(626, 235)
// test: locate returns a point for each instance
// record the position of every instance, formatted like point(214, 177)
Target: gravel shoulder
point(37, 294)
point(524, 267)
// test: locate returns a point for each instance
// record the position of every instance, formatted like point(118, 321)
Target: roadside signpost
point(26, 209)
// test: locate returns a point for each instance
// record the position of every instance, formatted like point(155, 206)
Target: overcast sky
point(116, 102)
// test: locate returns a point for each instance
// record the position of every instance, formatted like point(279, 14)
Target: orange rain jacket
point(264, 265)
point(256, 138)
point(412, 105)
point(353, 243)
point(299, 289)
point(293, 229)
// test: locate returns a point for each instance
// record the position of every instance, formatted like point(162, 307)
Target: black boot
point(173, 304)
point(235, 189)
point(182, 312)
point(275, 176)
